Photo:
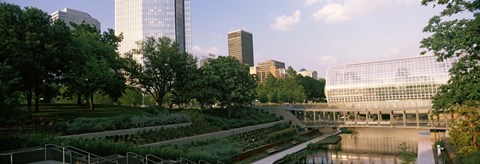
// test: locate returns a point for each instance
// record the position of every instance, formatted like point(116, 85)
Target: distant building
point(305, 73)
point(139, 19)
point(276, 68)
point(203, 62)
point(75, 16)
point(240, 46)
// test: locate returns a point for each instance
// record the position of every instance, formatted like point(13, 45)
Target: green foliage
point(288, 90)
point(9, 90)
point(458, 38)
point(314, 89)
point(98, 66)
point(165, 68)
point(85, 125)
point(132, 97)
point(231, 82)
point(465, 129)
point(405, 155)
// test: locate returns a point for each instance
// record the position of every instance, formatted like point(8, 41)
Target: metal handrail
point(200, 161)
point(220, 162)
point(19, 151)
point(181, 159)
point(146, 160)
point(155, 157)
point(88, 154)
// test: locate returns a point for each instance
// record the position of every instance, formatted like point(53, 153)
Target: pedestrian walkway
point(295, 149)
point(425, 152)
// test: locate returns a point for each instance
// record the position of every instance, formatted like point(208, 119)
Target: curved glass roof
point(416, 78)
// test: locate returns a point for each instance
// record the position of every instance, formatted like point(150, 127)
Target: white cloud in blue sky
point(285, 23)
point(311, 34)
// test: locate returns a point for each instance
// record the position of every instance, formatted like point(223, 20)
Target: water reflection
point(367, 145)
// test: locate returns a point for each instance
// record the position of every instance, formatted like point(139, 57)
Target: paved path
point(295, 149)
point(425, 152)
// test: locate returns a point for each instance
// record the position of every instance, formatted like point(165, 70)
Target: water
point(367, 145)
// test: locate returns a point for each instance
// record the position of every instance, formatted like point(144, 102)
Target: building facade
point(276, 68)
point(139, 19)
point(240, 46)
point(312, 74)
point(75, 16)
point(400, 83)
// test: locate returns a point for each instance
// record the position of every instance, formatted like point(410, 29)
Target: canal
point(365, 145)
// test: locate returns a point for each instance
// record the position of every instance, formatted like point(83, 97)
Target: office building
point(240, 46)
point(138, 19)
point(276, 68)
point(74, 16)
point(400, 83)
point(306, 73)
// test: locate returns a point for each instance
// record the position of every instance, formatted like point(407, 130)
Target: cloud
point(199, 51)
point(334, 11)
point(331, 13)
point(327, 60)
point(311, 2)
point(285, 23)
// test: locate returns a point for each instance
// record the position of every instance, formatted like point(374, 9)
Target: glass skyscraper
point(138, 19)
point(408, 79)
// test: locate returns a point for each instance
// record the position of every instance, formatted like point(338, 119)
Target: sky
point(310, 34)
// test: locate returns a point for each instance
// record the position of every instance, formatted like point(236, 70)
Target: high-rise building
point(306, 73)
point(75, 16)
point(138, 19)
point(240, 46)
point(276, 68)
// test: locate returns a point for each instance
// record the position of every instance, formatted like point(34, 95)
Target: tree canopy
point(164, 67)
point(458, 38)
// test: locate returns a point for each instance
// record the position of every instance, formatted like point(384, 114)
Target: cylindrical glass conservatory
point(416, 78)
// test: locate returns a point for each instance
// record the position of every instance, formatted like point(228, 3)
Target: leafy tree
point(132, 97)
point(97, 66)
point(314, 89)
point(165, 65)
point(233, 84)
point(204, 90)
point(32, 44)
point(9, 87)
point(458, 38)
point(465, 128)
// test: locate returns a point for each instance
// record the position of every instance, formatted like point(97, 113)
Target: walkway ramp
point(287, 115)
point(425, 152)
point(295, 149)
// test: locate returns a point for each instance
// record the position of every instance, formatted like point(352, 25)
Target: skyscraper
point(75, 16)
point(240, 46)
point(138, 19)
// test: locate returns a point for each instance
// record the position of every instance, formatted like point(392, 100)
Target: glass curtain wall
point(416, 78)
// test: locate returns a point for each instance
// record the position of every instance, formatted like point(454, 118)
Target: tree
point(458, 38)
point(9, 87)
point(314, 89)
point(465, 128)
point(32, 44)
point(233, 84)
point(97, 65)
point(165, 65)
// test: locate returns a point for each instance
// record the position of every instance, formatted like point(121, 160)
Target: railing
point(139, 157)
point(202, 161)
point(186, 160)
point(88, 155)
point(10, 154)
point(154, 157)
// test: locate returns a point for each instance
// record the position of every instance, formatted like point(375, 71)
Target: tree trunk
point(37, 97)
point(91, 101)
point(79, 99)
point(29, 99)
